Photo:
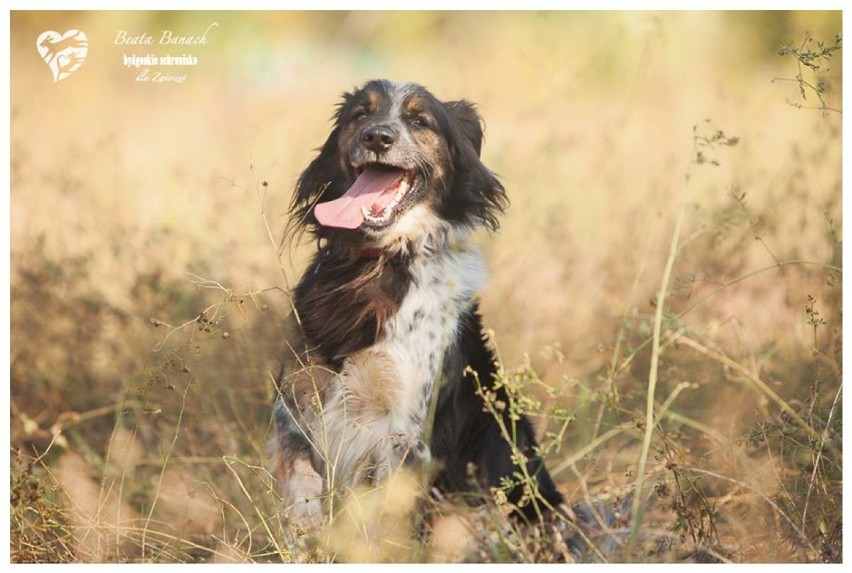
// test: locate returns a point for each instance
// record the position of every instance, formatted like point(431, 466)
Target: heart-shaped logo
point(63, 53)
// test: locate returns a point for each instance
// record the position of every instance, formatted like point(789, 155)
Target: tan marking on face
point(374, 100)
point(434, 145)
point(413, 105)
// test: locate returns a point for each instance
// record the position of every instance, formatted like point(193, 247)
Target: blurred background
point(149, 276)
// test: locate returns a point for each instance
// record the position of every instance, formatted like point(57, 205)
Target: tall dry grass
point(148, 289)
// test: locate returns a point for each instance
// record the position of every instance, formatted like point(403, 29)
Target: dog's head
point(397, 161)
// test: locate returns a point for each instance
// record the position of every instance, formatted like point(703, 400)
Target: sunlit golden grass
point(144, 440)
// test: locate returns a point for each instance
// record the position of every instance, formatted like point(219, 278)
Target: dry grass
point(144, 440)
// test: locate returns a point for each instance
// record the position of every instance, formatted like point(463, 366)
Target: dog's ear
point(468, 121)
point(314, 182)
point(476, 195)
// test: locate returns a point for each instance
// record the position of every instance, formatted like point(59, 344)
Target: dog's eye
point(418, 121)
point(359, 116)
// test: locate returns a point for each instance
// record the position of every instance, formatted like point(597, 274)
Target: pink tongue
point(367, 191)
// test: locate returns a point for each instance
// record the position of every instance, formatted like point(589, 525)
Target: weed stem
point(636, 517)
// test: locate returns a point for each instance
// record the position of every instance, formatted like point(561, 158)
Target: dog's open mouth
point(377, 196)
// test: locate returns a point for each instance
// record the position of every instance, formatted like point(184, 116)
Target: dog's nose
point(378, 138)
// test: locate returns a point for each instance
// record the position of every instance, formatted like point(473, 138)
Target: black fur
point(464, 433)
point(338, 314)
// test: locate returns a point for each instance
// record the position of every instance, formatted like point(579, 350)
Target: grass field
point(664, 293)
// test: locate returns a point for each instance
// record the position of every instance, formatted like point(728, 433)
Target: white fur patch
point(418, 230)
point(377, 412)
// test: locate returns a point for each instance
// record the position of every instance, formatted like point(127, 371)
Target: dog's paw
point(302, 492)
point(306, 514)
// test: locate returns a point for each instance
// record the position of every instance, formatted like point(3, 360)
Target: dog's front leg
point(301, 485)
point(297, 463)
point(373, 420)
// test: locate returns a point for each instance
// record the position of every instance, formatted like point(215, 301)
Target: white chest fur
point(427, 322)
point(377, 413)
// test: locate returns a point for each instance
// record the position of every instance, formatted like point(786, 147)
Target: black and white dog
point(386, 338)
